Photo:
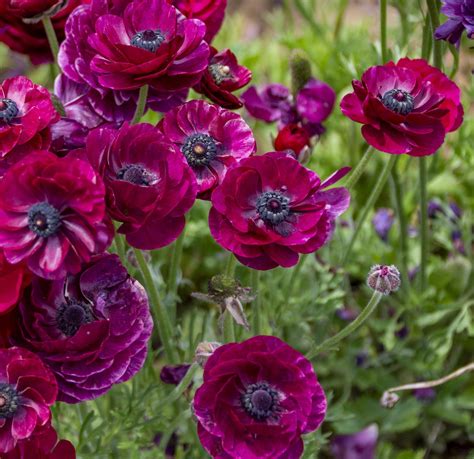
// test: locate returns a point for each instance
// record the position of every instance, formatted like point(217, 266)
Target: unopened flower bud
point(389, 399)
point(384, 279)
point(300, 70)
point(204, 350)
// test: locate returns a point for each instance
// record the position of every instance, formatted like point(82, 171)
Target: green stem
point(121, 250)
point(229, 330)
point(308, 17)
point(359, 169)
point(433, 10)
point(140, 110)
point(257, 303)
point(162, 320)
point(172, 283)
point(383, 30)
point(369, 204)
point(423, 221)
point(52, 38)
point(230, 265)
point(340, 18)
point(349, 329)
point(427, 39)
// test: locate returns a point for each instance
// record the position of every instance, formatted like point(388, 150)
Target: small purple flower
point(460, 15)
point(173, 374)
point(427, 394)
point(347, 314)
point(359, 445)
point(383, 222)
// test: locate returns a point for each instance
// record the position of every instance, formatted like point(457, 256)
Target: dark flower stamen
point(8, 110)
point(199, 150)
point(273, 207)
point(72, 315)
point(260, 401)
point(398, 101)
point(150, 40)
point(43, 219)
point(8, 401)
point(137, 174)
point(220, 73)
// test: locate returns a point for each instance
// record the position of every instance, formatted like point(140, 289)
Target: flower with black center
point(91, 329)
point(460, 15)
point(52, 214)
point(222, 78)
point(211, 139)
point(270, 208)
point(384, 279)
point(150, 186)
point(257, 398)
point(405, 108)
point(27, 390)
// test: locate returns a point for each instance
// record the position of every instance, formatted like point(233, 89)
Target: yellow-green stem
point(141, 104)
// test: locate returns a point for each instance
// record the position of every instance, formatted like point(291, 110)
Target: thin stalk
point(369, 204)
point(308, 17)
point(121, 249)
point(341, 11)
point(140, 110)
point(349, 329)
point(424, 235)
point(229, 330)
point(427, 39)
point(433, 10)
point(162, 320)
point(383, 30)
point(257, 303)
point(52, 39)
point(359, 169)
point(230, 265)
point(176, 256)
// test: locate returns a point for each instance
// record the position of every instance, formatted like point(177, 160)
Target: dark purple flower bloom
point(361, 359)
point(434, 208)
point(359, 445)
point(383, 222)
point(210, 138)
point(92, 329)
point(222, 77)
point(27, 390)
point(347, 314)
point(257, 398)
point(270, 208)
point(149, 185)
point(405, 108)
point(425, 395)
point(173, 374)
point(460, 15)
point(402, 332)
point(52, 214)
point(315, 102)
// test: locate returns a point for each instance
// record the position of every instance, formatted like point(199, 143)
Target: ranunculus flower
point(26, 114)
point(257, 398)
point(13, 279)
point(30, 39)
point(150, 187)
point(173, 374)
point(52, 214)
point(211, 12)
point(26, 9)
point(223, 76)
point(407, 107)
point(270, 208)
point(8, 326)
point(27, 390)
point(210, 138)
point(292, 137)
point(460, 15)
point(91, 329)
point(43, 444)
point(359, 445)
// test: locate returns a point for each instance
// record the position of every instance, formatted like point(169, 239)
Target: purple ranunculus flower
point(149, 185)
point(460, 15)
point(270, 208)
point(91, 329)
point(359, 445)
point(383, 222)
point(257, 398)
point(173, 374)
point(52, 214)
point(211, 139)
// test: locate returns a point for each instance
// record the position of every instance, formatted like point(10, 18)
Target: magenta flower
point(271, 208)
point(27, 390)
point(92, 329)
point(257, 398)
point(359, 445)
point(460, 15)
point(211, 12)
point(26, 113)
point(222, 77)
point(150, 187)
point(406, 107)
point(33, 8)
point(13, 279)
point(52, 214)
point(210, 138)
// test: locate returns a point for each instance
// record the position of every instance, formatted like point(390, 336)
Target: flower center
point(149, 40)
point(8, 401)
point(43, 219)
point(220, 73)
point(8, 110)
point(72, 315)
point(260, 401)
point(273, 207)
point(398, 101)
point(134, 173)
point(199, 150)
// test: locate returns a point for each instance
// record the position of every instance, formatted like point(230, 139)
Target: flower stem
point(172, 283)
point(369, 204)
point(52, 39)
point(341, 11)
point(140, 110)
point(229, 330)
point(383, 30)
point(257, 303)
point(423, 222)
point(433, 10)
point(162, 320)
point(230, 265)
point(359, 169)
point(349, 329)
